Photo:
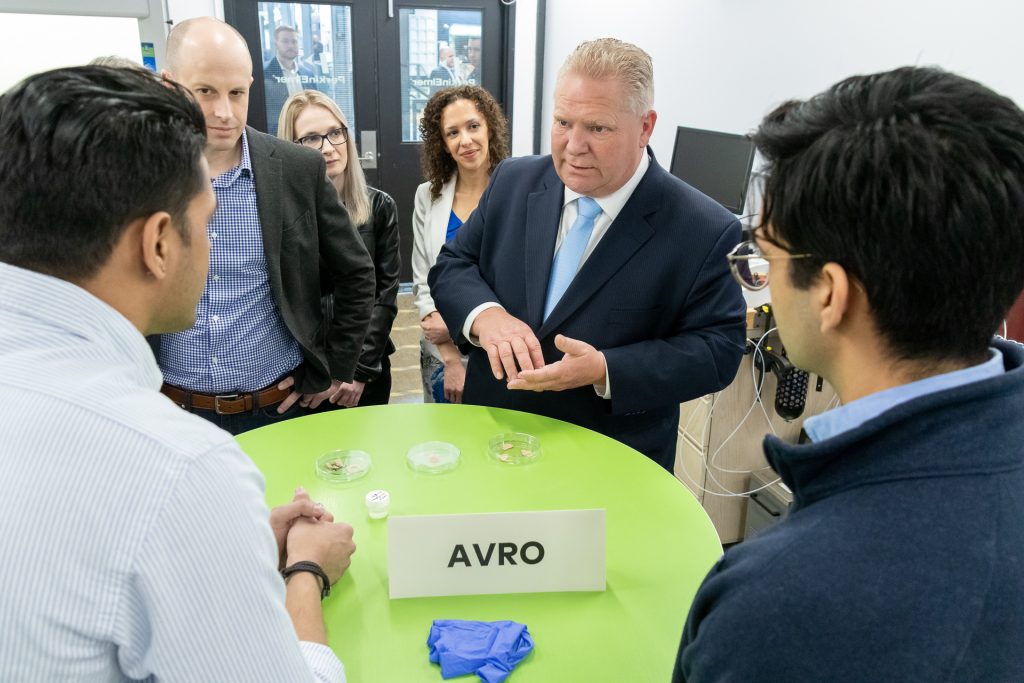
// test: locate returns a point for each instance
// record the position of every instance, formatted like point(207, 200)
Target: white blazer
point(429, 228)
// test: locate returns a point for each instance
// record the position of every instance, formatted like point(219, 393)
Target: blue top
point(900, 559)
point(239, 341)
point(454, 223)
point(856, 413)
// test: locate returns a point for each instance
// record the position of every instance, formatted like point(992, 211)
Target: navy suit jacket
point(655, 296)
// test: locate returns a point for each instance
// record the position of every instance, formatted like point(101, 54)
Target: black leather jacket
point(380, 235)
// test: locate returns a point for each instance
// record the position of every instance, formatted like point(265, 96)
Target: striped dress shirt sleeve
point(136, 538)
point(205, 582)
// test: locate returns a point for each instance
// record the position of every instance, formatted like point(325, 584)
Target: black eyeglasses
point(338, 136)
point(750, 266)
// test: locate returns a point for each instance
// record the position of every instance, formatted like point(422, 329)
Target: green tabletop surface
point(660, 543)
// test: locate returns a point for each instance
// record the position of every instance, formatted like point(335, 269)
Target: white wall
point(179, 10)
point(72, 40)
point(723, 64)
point(525, 65)
point(719, 64)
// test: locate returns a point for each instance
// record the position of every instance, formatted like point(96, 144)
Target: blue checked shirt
point(239, 342)
point(135, 536)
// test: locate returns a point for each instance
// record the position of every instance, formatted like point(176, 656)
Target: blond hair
point(611, 58)
point(353, 192)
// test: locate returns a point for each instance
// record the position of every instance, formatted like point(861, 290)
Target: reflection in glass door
point(424, 46)
point(306, 47)
point(439, 49)
point(380, 60)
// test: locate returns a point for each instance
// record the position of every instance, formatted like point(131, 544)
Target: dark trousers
point(243, 422)
point(378, 392)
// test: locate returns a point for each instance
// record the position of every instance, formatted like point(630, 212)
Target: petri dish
point(514, 448)
point(433, 457)
point(343, 465)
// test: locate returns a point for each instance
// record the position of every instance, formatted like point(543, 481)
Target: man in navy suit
point(593, 284)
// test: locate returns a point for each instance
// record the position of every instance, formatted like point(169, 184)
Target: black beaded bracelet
point(312, 568)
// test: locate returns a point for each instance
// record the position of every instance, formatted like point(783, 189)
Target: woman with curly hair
point(314, 120)
point(464, 137)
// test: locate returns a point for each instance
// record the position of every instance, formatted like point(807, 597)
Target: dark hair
point(438, 165)
point(913, 181)
point(83, 152)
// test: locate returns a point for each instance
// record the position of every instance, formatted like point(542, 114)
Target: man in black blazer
point(608, 322)
point(258, 351)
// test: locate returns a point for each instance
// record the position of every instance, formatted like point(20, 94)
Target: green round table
point(659, 542)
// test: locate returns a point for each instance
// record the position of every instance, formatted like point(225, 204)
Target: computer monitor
point(717, 164)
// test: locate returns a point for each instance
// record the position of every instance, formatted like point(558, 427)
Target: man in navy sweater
point(893, 226)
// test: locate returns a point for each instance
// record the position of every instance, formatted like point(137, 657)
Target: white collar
point(613, 203)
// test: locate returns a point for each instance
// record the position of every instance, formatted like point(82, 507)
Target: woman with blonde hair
point(314, 120)
point(464, 138)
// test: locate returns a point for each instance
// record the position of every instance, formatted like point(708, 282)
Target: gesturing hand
point(581, 365)
point(509, 342)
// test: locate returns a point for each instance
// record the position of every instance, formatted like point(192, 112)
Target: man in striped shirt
point(258, 351)
point(135, 535)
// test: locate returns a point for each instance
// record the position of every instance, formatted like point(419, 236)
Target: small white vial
point(377, 503)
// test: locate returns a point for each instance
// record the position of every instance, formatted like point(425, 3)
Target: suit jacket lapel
point(627, 233)
point(266, 169)
point(543, 213)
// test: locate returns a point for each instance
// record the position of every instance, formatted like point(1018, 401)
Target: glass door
point(427, 45)
point(380, 60)
point(306, 47)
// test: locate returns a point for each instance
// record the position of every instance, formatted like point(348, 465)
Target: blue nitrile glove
point(491, 649)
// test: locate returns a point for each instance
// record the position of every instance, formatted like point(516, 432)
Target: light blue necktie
point(567, 260)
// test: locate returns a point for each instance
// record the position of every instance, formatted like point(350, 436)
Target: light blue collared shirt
point(239, 341)
point(856, 413)
point(136, 542)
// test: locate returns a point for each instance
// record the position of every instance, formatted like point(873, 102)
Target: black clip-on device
point(791, 387)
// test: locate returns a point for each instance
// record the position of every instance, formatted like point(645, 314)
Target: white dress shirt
point(136, 539)
point(290, 77)
point(611, 205)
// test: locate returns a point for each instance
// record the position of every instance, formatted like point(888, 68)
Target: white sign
point(503, 552)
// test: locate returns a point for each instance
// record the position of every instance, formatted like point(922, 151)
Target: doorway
point(380, 60)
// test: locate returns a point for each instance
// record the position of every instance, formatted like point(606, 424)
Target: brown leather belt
point(225, 404)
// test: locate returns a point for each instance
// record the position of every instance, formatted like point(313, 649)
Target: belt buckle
point(224, 397)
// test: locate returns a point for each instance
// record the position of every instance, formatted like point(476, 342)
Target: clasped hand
point(305, 530)
point(434, 329)
point(345, 394)
point(305, 400)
